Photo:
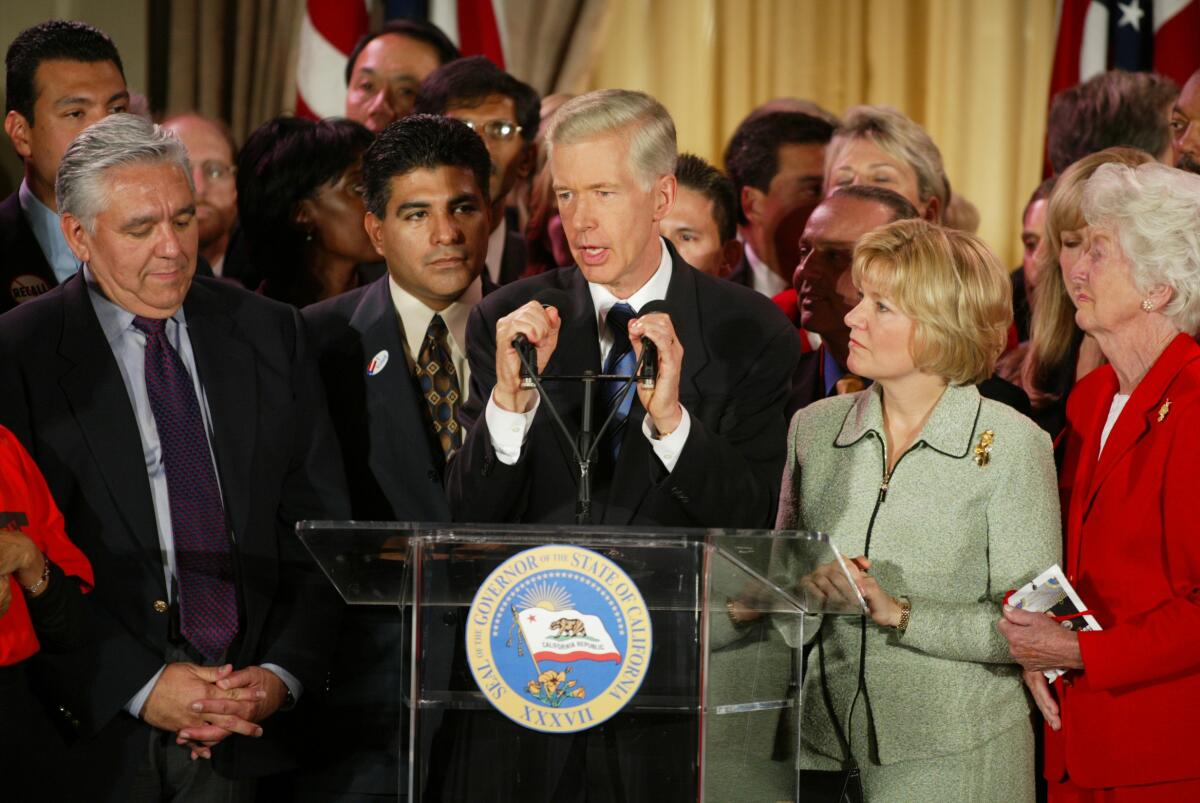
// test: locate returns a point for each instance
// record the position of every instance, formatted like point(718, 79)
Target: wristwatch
point(905, 610)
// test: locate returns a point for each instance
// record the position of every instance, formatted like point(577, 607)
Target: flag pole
point(521, 635)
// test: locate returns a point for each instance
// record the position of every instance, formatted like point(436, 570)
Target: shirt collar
point(832, 371)
point(115, 320)
point(415, 316)
point(48, 232)
point(495, 251)
point(655, 289)
point(763, 279)
point(950, 428)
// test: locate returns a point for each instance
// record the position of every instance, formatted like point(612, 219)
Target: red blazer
point(1133, 552)
point(23, 492)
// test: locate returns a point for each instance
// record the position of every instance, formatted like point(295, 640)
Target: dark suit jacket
point(742, 274)
point(276, 461)
point(739, 351)
point(513, 262)
point(393, 465)
point(24, 272)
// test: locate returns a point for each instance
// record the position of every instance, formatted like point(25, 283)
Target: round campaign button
point(558, 638)
point(27, 286)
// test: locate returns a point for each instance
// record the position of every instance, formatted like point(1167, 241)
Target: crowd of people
point(203, 343)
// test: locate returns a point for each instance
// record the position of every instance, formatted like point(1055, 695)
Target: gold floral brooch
point(983, 449)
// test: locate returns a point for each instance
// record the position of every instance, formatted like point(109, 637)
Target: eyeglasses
point(217, 171)
point(501, 130)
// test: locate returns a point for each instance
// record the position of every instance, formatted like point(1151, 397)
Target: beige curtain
point(975, 73)
point(233, 59)
point(554, 46)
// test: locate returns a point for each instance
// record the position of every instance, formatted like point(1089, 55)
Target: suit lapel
point(226, 363)
point(96, 393)
point(1145, 402)
point(1134, 423)
point(398, 437)
point(630, 481)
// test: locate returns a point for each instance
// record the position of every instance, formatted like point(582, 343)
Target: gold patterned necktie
point(440, 387)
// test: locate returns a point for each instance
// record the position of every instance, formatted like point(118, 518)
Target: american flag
point(1099, 35)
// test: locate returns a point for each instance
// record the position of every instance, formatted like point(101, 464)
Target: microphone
point(550, 297)
point(648, 370)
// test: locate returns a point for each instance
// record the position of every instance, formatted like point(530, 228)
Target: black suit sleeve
point(299, 633)
point(480, 487)
point(729, 470)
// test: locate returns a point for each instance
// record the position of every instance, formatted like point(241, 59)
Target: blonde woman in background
point(1059, 353)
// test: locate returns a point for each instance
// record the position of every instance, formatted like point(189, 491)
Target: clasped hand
point(203, 705)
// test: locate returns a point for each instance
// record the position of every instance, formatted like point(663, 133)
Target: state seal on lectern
point(558, 638)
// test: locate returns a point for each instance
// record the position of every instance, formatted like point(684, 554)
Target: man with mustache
point(1185, 126)
point(504, 112)
point(393, 358)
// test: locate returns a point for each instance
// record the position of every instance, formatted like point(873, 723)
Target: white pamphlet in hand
point(1050, 592)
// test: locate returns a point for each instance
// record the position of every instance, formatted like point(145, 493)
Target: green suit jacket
point(953, 533)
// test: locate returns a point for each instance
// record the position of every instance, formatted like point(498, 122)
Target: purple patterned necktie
point(208, 614)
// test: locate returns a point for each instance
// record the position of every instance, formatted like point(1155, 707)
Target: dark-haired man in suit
point(776, 160)
point(393, 355)
point(181, 428)
point(62, 77)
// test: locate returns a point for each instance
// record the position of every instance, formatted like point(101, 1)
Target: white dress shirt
point(415, 318)
point(762, 278)
point(495, 252)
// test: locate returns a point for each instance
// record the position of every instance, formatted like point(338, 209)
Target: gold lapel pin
point(983, 449)
point(1162, 411)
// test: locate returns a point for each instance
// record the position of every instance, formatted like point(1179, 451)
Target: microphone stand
point(584, 445)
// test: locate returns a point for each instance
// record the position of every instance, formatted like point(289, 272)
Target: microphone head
point(658, 305)
point(559, 299)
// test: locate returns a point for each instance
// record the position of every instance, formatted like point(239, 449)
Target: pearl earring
point(1147, 305)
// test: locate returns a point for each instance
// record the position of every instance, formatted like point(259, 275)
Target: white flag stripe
point(320, 69)
point(1093, 51)
point(1164, 10)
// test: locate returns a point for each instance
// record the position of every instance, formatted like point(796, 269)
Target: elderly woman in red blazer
point(41, 575)
point(1122, 722)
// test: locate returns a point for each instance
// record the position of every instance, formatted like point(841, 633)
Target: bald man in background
point(212, 156)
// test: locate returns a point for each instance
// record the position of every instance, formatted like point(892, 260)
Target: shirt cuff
point(668, 447)
point(294, 686)
point(508, 429)
point(138, 701)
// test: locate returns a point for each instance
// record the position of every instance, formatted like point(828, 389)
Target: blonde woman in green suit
point(948, 500)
